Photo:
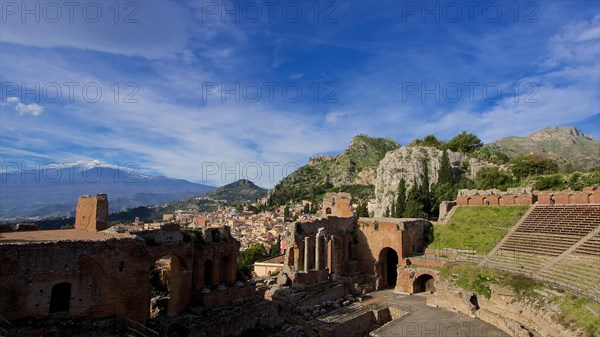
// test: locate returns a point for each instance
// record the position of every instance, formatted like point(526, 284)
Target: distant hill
point(354, 171)
point(240, 191)
point(54, 192)
point(565, 144)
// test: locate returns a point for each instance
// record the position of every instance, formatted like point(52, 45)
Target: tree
point(313, 207)
point(492, 177)
point(465, 142)
point(306, 208)
point(430, 140)
point(414, 206)
point(246, 258)
point(362, 210)
point(276, 247)
point(445, 174)
point(400, 199)
point(528, 165)
point(286, 213)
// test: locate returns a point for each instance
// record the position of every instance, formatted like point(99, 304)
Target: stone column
point(332, 258)
point(318, 252)
point(306, 253)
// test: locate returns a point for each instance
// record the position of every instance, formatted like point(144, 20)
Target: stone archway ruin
point(387, 269)
point(424, 283)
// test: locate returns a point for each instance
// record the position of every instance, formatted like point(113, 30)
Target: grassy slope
point(575, 310)
point(477, 227)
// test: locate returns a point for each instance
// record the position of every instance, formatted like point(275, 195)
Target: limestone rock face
point(407, 163)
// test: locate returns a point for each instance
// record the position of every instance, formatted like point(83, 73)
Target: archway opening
point(328, 210)
point(60, 298)
point(388, 260)
point(473, 301)
point(424, 283)
point(160, 285)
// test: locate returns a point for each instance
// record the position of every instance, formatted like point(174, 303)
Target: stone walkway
point(424, 321)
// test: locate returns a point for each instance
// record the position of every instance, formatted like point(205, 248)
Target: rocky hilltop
point(408, 163)
point(354, 170)
point(565, 144)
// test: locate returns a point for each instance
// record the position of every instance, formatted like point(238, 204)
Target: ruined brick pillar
point(318, 252)
point(331, 255)
point(306, 253)
point(92, 213)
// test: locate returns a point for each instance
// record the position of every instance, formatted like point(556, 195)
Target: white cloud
point(33, 109)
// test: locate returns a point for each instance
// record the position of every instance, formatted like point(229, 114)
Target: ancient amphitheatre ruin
point(341, 276)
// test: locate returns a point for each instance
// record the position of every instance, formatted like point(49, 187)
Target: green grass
point(580, 312)
point(476, 227)
point(474, 278)
point(575, 312)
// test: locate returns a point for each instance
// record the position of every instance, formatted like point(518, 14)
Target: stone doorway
point(388, 267)
point(60, 298)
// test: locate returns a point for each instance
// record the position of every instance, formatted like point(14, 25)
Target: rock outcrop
point(407, 163)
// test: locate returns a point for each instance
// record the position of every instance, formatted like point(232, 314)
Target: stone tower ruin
point(92, 213)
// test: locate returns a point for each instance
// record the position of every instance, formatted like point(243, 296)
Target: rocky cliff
point(407, 163)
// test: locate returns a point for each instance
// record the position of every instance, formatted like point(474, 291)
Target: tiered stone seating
point(591, 247)
point(551, 230)
point(583, 273)
point(515, 262)
point(546, 233)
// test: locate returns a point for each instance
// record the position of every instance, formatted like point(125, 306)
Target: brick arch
point(179, 292)
point(591, 199)
point(413, 280)
point(108, 301)
point(469, 201)
point(424, 283)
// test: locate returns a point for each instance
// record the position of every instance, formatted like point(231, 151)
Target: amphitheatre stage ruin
point(342, 276)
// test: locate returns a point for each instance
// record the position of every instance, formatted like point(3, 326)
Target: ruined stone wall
point(407, 277)
point(107, 278)
point(111, 277)
point(513, 315)
point(92, 213)
point(589, 195)
point(337, 204)
point(377, 234)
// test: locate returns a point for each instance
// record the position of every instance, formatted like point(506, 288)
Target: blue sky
point(209, 91)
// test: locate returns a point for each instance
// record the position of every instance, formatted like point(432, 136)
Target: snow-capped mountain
point(53, 190)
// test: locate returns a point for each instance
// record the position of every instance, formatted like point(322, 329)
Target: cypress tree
point(445, 174)
point(401, 199)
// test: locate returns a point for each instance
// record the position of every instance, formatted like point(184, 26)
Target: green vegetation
point(580, 312)
point(476, 227)
point(463, 142)
point(239, 191)
point(471, 277)
point(246, 259)
point(337, 174)
point(576, 312)
point(493, 177)
point(568, 147)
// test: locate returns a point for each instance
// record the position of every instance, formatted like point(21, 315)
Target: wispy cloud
point(32, 109)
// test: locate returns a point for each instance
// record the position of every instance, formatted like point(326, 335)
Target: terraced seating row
point(583, 273)
point(546, 233)
point(591, 247)
point(551, 230)
point(515, 262)
point(540, 243)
